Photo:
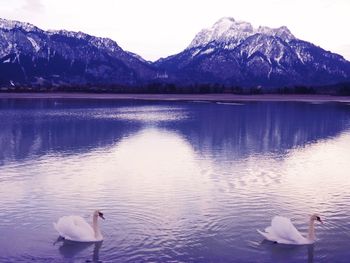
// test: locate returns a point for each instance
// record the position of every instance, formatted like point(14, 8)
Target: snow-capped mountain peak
point(31, 56)
point(235, 53)
point(12, 24)
point(224, 30)
point(99, 42)
point(79, 34)
point(229, 31)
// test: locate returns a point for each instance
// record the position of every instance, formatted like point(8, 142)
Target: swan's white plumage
point(284, 232)
point(75, 228)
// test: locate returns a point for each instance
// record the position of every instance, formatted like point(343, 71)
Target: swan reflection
point(70, 249)
point(288, 253)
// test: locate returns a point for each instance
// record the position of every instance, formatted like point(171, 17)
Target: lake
point(176, 181)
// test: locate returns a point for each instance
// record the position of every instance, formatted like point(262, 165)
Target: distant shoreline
point(178, 97)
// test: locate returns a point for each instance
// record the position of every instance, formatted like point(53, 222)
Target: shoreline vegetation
point(209, 97)
point(339, 89)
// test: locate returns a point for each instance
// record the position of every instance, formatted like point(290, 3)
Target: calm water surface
point(177, 182)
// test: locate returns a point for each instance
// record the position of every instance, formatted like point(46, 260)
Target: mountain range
point(230, 53)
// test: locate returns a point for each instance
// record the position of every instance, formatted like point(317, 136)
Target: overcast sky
point(159, 28)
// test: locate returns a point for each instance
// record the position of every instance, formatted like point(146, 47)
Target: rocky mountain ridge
point(230, 53)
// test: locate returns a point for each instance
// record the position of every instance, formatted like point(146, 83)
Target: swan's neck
point(95, 227)
point(311, 234)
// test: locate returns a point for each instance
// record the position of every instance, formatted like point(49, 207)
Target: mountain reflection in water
point(177, 182)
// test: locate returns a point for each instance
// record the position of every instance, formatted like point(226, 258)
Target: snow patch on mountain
point(207, 51)
point(35, 45)
point(7, 60)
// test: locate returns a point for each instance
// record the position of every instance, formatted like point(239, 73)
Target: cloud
point(34, 6)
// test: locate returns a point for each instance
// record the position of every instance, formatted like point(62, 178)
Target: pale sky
point(159, 28)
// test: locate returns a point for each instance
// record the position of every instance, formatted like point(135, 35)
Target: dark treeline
point(341, 89)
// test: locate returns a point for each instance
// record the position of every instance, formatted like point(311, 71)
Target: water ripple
point(184, 183)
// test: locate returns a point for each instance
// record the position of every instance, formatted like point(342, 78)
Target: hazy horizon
point(156, 29)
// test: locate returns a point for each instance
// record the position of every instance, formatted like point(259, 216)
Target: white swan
point(75, 228)
point(284, 232)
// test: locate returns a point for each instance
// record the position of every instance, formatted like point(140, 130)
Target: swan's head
point(98, 213)
point(316, 217)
